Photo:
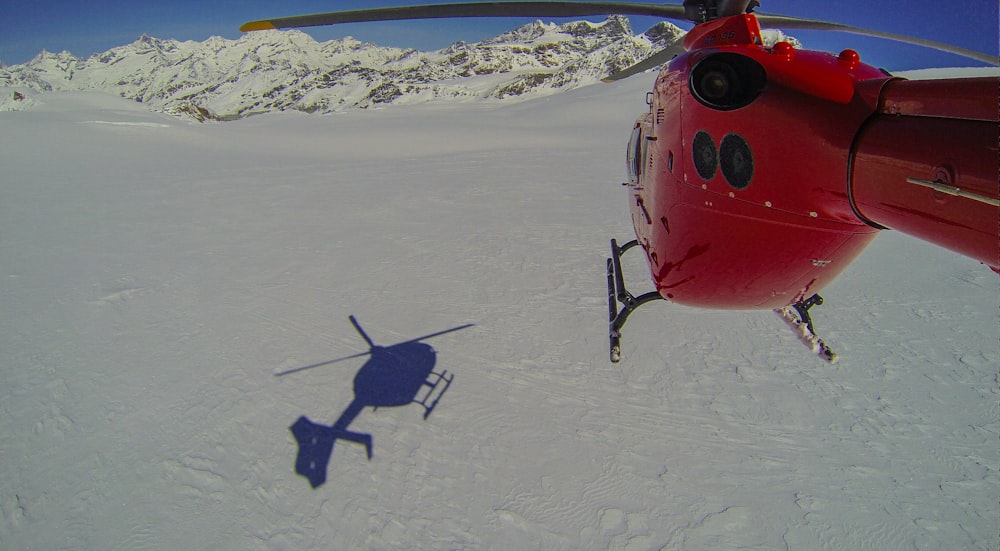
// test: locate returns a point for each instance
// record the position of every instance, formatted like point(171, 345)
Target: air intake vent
point(727, 81)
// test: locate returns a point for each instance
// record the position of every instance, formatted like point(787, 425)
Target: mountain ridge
point(266, 71)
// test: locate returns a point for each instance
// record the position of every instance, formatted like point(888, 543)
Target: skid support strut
point(617, 293)
point(803, 326)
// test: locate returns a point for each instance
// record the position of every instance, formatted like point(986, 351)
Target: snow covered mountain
point(288, 70)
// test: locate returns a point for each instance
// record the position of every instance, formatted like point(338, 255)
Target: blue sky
point(84, 28)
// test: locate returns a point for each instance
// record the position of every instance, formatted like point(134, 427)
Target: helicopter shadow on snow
point(392, 376)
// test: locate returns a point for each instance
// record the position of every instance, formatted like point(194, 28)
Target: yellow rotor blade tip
point(257, 26)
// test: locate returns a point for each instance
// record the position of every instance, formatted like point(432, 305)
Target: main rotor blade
point(321, 364)
point(471, 9)
point(786, 22)
point(439, 333)
point(675, 49)
point(359, 354)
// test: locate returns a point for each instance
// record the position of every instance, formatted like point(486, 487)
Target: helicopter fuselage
point(758, 174)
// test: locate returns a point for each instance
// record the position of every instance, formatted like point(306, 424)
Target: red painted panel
point(955, 152)
point(722, 253)
point(970, 98)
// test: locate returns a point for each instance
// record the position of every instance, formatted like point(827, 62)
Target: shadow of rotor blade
point(358, 355)
point(439, 333)
point(361, 331)
point(321, 364)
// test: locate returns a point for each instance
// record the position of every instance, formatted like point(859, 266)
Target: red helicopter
point(731, 217)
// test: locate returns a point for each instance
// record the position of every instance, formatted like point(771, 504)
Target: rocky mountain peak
point(615, 26)
point(289, 70)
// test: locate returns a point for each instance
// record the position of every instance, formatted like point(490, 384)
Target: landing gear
point(796, 315)
point(802, 307)
point(802, 324)
point(618, 293)
point(434, 394)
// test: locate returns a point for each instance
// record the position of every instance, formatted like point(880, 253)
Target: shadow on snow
point(393, 376)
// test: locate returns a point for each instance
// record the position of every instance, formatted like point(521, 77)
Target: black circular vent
point(736, 161)
point(706, 158)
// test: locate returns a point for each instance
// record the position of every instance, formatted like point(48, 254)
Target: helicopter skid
point(617, 293)
point(435, 390)
point(802, 325)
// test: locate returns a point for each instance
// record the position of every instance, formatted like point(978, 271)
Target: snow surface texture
point(155, 275)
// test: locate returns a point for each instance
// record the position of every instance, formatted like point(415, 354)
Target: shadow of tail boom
point(392, 376)
point(316, 446)
point(316, 440)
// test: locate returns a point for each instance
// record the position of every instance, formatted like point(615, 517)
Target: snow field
point(155, 274)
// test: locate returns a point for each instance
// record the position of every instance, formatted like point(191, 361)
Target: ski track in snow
point(156, 274)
